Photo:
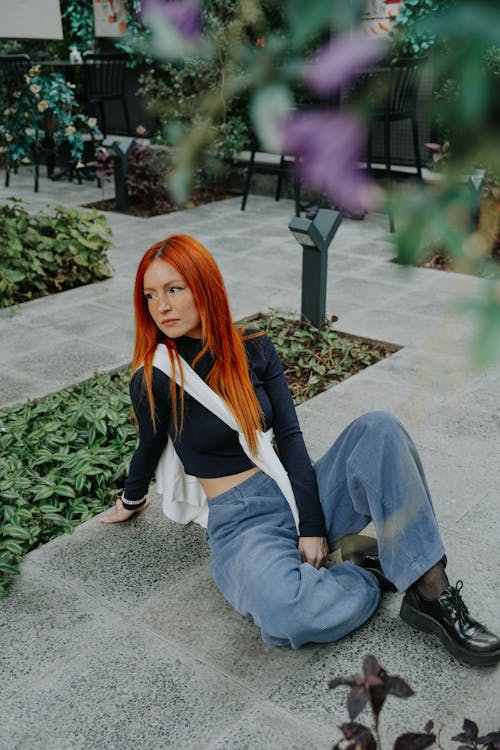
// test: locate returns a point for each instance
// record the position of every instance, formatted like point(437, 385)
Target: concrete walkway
point(116, 637)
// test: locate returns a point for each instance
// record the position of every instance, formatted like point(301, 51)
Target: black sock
point(432, 584)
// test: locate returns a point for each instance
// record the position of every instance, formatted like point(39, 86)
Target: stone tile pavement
point(116, 637)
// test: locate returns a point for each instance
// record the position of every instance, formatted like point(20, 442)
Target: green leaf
point(16, 532)
point(65, 490)
point(270, 107)
point(43, 493)
point(13, 275)
point(10, 570)
point(11, 546)
point(48, 509)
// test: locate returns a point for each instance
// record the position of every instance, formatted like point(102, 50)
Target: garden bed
point(199, 198)
point(61, 248)
point(65, 456)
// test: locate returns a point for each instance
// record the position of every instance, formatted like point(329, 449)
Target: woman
point(268, 544)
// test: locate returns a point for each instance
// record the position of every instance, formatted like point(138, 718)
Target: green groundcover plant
point(63, 458)
point(50, 252)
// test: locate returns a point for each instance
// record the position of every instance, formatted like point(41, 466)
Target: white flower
point(9, 137)
point(71, 85)
point(42, 106)
point(70, 130)
point(92, 122)
point(35, 88)
point(6, 112)
point(34, 71)
point(16, 94)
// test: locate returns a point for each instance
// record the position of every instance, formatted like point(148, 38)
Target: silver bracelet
point(133, 502)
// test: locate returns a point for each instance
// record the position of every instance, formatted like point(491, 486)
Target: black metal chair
point(269, 164)
point(13, 69)
point(398, 86)
point(104, 83)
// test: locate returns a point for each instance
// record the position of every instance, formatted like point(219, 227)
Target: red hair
point(229, 375)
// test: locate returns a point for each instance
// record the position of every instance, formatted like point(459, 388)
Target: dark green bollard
point(315, 237)
point(120, 151)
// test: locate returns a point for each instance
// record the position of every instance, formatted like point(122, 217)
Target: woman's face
point(170, 301)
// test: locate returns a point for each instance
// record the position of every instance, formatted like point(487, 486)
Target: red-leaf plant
point(373, 686)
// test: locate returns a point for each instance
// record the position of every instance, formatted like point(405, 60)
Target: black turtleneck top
point(206, 446)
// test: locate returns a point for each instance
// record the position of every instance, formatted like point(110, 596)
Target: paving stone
point(124, 564)
point(83, 700)
point(196, 617)
point(268, 729)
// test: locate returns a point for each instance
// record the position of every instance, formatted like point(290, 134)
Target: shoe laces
point(454, 597)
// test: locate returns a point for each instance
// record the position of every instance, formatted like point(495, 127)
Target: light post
point(315, 236)
point(475, 183)
point(120, 149)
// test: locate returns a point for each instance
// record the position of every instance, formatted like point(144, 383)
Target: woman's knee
point(381, 422)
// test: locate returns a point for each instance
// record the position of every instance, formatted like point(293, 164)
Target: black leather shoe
point(449, 618)
point(372, 563)
point(363, 550)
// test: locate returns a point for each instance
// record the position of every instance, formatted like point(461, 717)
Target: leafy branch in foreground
point(372, 687)
point(298, 55)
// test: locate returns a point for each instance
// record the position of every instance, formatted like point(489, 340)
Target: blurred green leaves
point(260, 56)
point(270, 107)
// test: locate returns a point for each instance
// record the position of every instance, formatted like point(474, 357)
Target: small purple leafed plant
point(372, 687)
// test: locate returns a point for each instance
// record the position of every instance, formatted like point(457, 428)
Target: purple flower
point(341, 60)
point(327, 147)
point(184, 15)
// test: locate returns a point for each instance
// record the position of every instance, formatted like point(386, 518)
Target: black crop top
point(207, 447)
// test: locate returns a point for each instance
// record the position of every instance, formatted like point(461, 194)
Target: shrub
point(146, 174)
point(50, 252)
point(44, 108)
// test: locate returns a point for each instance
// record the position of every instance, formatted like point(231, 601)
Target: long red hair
point(229, 376)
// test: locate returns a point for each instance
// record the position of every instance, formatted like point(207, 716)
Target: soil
point(439, 262)
point(442, 262)
point(199, 198)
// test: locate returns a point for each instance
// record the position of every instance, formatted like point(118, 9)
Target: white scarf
point(183, 496)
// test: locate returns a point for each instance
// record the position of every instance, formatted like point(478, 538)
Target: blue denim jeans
point(371, 473)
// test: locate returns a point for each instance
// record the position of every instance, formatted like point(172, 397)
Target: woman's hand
point(121, 514)
point(313, 550)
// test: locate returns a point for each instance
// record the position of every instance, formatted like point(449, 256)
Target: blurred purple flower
point(184, 15)
point(341, 60)
point(327, 147)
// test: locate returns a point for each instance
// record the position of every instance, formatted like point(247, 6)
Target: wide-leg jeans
point(372, 472)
